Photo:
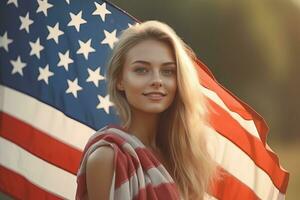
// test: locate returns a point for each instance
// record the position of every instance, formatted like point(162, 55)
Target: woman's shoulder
point(103, 156)
point(99, 172)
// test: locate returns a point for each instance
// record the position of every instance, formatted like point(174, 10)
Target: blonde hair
point(182, 126)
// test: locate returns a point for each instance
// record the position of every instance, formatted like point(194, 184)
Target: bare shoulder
point(101, 154)
point(99, 172)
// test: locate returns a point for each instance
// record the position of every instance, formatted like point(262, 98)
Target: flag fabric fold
point(53, 57)
point(138, 173)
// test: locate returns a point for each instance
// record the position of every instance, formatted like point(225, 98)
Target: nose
point(156, 80)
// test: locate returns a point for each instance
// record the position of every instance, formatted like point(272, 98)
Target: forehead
point(150, 50)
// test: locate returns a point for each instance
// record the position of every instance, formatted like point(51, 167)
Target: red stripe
point(228, 187)
point(251, 145)
point(147, 158)
point(125, 167)
point(20, 188)
point(39, 144)
point(231, 101)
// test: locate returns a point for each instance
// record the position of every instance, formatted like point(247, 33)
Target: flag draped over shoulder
point(53, 58)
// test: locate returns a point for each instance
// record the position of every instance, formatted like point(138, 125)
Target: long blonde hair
point(182, 126)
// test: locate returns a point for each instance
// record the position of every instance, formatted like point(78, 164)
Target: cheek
point(171, 85)
point(131, 79)
point(133, 85)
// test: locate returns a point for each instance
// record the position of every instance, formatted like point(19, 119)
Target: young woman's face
point(149, 77)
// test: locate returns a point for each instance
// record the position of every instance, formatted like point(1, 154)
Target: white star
point(13, 1)
point(95, 76)
point(73, 87)
point(45, 74)
point(64, 60)
point(25, 22)
point(101, 10)
point(36, 48)
point(110, 38)
point(54, 32)
point(18, 66)
point(43, 6)
point(5, 41)
point(104, 103)
point(130, 25)
point(76, 20)
point(85, 48)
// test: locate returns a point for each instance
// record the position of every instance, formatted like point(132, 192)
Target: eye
point(168, 72)
point(141, 70)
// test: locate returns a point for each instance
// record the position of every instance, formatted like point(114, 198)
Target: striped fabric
point(137, 175)
point(237, 142)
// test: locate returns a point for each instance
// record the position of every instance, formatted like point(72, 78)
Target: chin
point(155, 110)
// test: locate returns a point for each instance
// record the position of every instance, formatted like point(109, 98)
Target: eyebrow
point(148, 63)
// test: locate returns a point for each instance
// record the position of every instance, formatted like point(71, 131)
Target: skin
point(149, 66)
point(99, 173)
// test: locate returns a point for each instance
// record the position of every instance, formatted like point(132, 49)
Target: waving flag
point(53, 58)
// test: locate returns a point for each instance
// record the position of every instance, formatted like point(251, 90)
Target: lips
point(154, 95)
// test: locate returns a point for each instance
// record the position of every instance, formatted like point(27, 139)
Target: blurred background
point(253, 49)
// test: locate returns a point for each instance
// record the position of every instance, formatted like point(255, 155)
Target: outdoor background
point(253, 49)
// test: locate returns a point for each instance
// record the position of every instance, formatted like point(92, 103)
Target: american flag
point(53, 58)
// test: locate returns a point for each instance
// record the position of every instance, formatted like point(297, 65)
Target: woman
point(159, 151)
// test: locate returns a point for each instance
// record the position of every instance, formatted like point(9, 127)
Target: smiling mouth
point(155, 93)
point(155, 96)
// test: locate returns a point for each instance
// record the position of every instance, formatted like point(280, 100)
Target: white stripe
point(246, 124)
point(157, 176)
point(123, 192)
point(129, 189)
point(44, 117)
point(241, 166)
point(112, 187)
point(37, 171)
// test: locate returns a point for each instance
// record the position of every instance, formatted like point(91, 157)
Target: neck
point(144, 126)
